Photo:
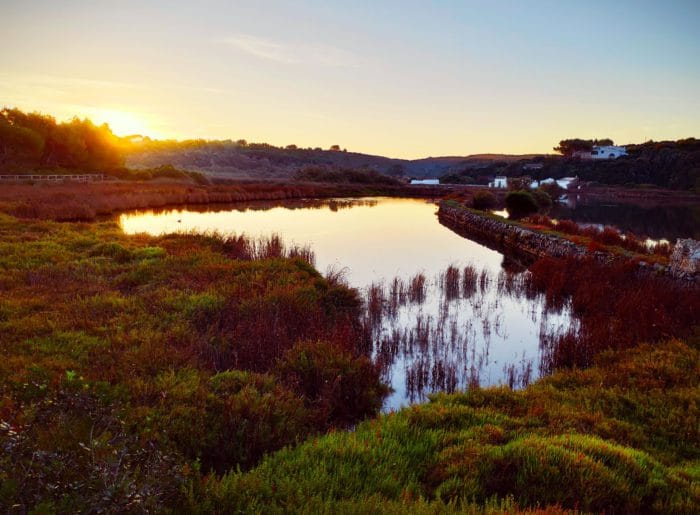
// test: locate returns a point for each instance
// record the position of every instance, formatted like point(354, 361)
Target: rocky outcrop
point(529, 244)
point(685, 259)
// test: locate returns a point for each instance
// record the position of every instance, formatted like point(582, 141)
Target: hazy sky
point(398, 78)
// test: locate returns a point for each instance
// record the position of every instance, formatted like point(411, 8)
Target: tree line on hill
point(664, 164)
point(33, 140)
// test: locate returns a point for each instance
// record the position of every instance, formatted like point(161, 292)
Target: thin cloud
point(288, 53)
point(64, 85)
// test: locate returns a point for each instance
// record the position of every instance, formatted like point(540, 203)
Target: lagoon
point(442, 312)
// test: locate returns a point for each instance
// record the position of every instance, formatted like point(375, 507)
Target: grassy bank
point(619, 437)
point(130, 364)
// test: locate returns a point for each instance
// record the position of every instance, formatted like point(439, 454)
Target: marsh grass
point(129, 363)
point(87, 202)
point(618, 437)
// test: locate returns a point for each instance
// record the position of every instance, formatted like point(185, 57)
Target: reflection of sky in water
point(371, 242)
point(375, 242)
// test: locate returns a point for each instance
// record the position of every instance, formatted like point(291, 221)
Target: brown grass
point(72, 202)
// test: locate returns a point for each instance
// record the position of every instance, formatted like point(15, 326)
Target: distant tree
point(33, 139)
point(520, 204)
point(335, 148)
point(484, 199)
point(19, 144)
point(543, 199)
point(552, 189)
point(567, 147)
point(242, 143)
point(291, 147)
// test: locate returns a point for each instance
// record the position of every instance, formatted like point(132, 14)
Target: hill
point(240, 160)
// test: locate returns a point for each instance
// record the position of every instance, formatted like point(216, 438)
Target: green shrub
point(520, 204)
point(484, 199)
point(230, 421)
point(542, 198)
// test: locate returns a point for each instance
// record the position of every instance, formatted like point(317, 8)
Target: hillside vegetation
point(665, 164)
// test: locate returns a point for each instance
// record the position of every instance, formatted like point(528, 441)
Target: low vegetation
point(484, 199)
point(86, 202)
point(133, 364)
point(599, 239)
point(344, 175)
point(162, 373)
point(619, 437)
point(521, 203)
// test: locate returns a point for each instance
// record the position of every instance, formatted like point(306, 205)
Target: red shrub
point(568, 227)
point(617, 306)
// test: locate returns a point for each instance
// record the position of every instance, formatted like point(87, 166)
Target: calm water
point(443, 311)
point(661, 221)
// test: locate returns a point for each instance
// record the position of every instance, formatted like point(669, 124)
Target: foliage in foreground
point(130, 364)
point(621, 436)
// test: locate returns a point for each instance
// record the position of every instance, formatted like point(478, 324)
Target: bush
point(542, 198)
point(520, 204)
point(231, 420)
point(484, 199)
point(338, 386)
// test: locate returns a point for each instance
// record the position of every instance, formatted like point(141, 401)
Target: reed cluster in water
point(440, 331)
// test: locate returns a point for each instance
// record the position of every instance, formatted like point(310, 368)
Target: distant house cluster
point(601, 152)
point(564, 182)
point(431, 182)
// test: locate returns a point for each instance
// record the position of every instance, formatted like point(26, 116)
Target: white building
point(564, 182)
point(499, 181)
point(597, 152)
point(430, 182)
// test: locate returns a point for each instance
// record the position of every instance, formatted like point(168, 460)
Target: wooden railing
point(88, 177)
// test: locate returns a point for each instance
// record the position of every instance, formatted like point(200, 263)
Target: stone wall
point(685, 260)
point(529, 244)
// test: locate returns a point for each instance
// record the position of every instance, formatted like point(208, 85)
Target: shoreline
point(529, 244)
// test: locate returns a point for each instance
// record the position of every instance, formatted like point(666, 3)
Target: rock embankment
point(685, 259)
point(530, 244)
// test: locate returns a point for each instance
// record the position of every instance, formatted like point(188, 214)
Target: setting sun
point(123, 123)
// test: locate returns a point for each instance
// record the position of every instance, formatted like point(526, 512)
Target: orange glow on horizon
point(123, 123)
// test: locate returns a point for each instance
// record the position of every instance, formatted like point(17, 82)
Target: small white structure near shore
point(598, 152)
point(428, 182)
point(564, 182)
point(499, 181)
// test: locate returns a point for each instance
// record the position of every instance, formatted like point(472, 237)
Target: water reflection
point(464, 327)
point(442, 312)
point(371, 240)
point(657, 222)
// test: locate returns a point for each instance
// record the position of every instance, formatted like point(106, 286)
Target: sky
point(402, 78)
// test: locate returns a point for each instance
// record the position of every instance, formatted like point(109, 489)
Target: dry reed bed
point(88, 201)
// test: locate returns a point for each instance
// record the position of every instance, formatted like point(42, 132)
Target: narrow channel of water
point(443, 311)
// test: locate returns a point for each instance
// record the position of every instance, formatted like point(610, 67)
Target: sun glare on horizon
point(124, 123)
